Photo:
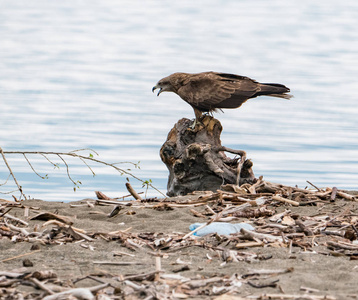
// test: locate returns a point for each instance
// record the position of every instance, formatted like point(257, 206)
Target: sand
point(335, 277)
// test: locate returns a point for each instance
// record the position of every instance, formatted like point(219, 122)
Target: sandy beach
point(144, 251)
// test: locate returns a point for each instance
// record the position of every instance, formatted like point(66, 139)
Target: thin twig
point(67, 169)
point(12, 174)
point(90, 149)
point(5, 180)
point(93, 173)
point(43, 177)
point(52, 163)
point(6, 193)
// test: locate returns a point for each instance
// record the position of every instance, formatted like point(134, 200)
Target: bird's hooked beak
point(157, 87)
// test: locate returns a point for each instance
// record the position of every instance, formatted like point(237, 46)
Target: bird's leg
point(198, 115)
point(209, 113)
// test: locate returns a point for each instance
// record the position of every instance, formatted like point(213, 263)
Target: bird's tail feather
point(284, 96)
point(274, 90)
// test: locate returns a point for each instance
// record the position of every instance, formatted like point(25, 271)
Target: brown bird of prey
point(210, 91)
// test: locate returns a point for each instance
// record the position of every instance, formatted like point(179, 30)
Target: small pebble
point(27, 263)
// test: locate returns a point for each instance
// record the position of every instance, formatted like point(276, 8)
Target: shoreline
point(142, 250)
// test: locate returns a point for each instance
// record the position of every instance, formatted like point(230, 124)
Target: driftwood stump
point(196, 160)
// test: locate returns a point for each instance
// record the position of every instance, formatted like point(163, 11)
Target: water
point(78, 74)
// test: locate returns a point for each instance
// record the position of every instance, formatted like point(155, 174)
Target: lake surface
point(78, 74)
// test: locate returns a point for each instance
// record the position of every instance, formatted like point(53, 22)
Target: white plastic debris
point(219, 228)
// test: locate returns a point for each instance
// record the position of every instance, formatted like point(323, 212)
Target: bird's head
point(164, 85)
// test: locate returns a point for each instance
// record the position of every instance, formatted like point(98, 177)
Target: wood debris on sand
point(133, 261)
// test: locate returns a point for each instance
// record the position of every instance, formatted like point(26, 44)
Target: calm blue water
point(78, 74)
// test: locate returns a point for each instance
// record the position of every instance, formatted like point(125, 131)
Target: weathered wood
point(196, 160)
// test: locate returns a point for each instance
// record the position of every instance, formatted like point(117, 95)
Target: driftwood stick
point(158, 267)
point(76, 234)
point(42, 286)
point(102, 196)
point(16, 219)
point(293, 297)
point(209, 209)
point(203, 282)
point(214, 219)
point(134, 285)
point(304, 228)
point(309, 290)
point(18, 256)
point(346, 196)
point(252, 235)
point(99, 287)
point(60, 224)
point(331, 232)
point(355, 229)
point(79, 293)
point(110, 202)
point(120, 253)
point(279, 216)
point(334, 194)
point(276, 187)
point(11, 274)
point(281, 199)
point(317, 188)
point(342, 194)
point(197, 229)
point(268, 272)
point(239, 168)
point(233, 209)
point(249, 244)
point(343, 245)
point(263, 285)
point(18, 229)
point(132, 191)
point(118, 263)
point(140, 277)
point(197, 214)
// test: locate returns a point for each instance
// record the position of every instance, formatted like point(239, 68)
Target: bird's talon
point(192, 126)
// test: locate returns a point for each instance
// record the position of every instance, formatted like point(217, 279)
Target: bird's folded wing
point(215, 91)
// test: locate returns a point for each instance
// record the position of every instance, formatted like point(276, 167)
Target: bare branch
point(12, 174)
point(82, 158)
